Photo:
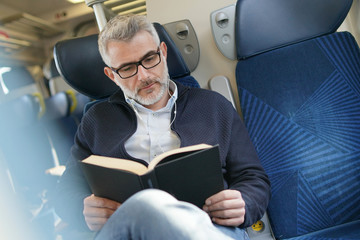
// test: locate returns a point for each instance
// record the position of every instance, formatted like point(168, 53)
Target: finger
point(94, 201)
point(223, 195)
point(233, 222)
point(230, 213)
point(225, 204)
point(97, 212)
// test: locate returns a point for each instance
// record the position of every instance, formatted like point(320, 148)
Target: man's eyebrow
point(145, 56)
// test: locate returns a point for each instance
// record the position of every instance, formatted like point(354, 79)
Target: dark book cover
point(190, 176)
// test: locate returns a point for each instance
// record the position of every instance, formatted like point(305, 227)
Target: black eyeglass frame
point(158, 52)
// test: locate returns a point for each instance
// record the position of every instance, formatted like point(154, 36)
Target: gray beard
point(150, 99)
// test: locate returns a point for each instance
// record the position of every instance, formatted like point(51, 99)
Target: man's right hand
point(97, 211)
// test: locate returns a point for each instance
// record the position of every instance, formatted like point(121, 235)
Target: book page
point(117, 163)
point(162, 156)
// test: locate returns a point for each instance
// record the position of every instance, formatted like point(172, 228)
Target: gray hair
point(124, 28)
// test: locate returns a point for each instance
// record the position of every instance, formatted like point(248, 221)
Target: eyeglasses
point(149, 61)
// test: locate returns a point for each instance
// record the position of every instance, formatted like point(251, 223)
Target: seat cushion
point(349, 231)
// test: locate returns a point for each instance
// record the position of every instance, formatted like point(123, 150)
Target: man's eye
point(149, 59)
point(128, 68)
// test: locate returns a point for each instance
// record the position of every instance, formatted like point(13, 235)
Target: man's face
point(149, 86)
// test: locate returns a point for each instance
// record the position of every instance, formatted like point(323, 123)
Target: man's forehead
point(132, 50)
point(140, 38)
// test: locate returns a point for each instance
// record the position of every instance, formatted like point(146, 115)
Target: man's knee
point(149, 200)
point(151, 196)
point(156, 204)
point(154, 212)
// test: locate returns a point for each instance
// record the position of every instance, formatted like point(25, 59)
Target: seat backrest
point(284, 23)
point(25, 146)
point(17, 78)
point(299, 87)
point(57, 106)
point(60, 125)
point(79, 62)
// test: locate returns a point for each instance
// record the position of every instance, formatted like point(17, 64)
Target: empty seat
point(299, 87)
point(59, 125)
point(25, 147)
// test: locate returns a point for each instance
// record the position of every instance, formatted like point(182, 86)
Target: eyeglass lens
point(131, 69)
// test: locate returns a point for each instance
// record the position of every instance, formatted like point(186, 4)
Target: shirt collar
point(167, 108)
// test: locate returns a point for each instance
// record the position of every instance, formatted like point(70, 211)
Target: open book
point(190, 174)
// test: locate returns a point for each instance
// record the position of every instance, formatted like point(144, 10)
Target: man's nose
point(142, 73)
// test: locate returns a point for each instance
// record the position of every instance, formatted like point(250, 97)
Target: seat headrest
point(79, 62)
point(18, 77)
point(263, 25)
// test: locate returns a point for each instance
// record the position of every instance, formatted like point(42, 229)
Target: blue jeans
point(155, 215)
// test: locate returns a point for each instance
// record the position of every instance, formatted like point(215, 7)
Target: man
point(149, 115)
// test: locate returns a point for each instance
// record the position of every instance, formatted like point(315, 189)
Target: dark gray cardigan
point(203, 116)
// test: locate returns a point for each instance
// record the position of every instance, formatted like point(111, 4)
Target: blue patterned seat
point(301, 104)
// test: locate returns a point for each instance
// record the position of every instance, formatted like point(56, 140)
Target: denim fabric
point(154, 214)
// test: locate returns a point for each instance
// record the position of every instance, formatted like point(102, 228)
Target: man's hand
point(97, 211)
point(226, 208)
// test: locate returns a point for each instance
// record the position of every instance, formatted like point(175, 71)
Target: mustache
point(147, 82)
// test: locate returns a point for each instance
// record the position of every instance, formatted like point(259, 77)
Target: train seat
point(299, 88)
point(57, 106)
point(25, 156)
point(31, 132)
point(60, 124)
point(24, 143)
point(25, 147)
point(85, 71)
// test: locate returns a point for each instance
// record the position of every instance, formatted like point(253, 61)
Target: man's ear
point(163, 48)
point(108, 72)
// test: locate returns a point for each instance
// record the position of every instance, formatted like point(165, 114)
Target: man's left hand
point(226, 208)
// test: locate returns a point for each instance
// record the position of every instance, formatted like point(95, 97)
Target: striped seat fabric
point(299, 92)
point(305, 125)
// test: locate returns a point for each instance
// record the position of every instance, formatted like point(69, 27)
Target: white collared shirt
point(153, 135)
